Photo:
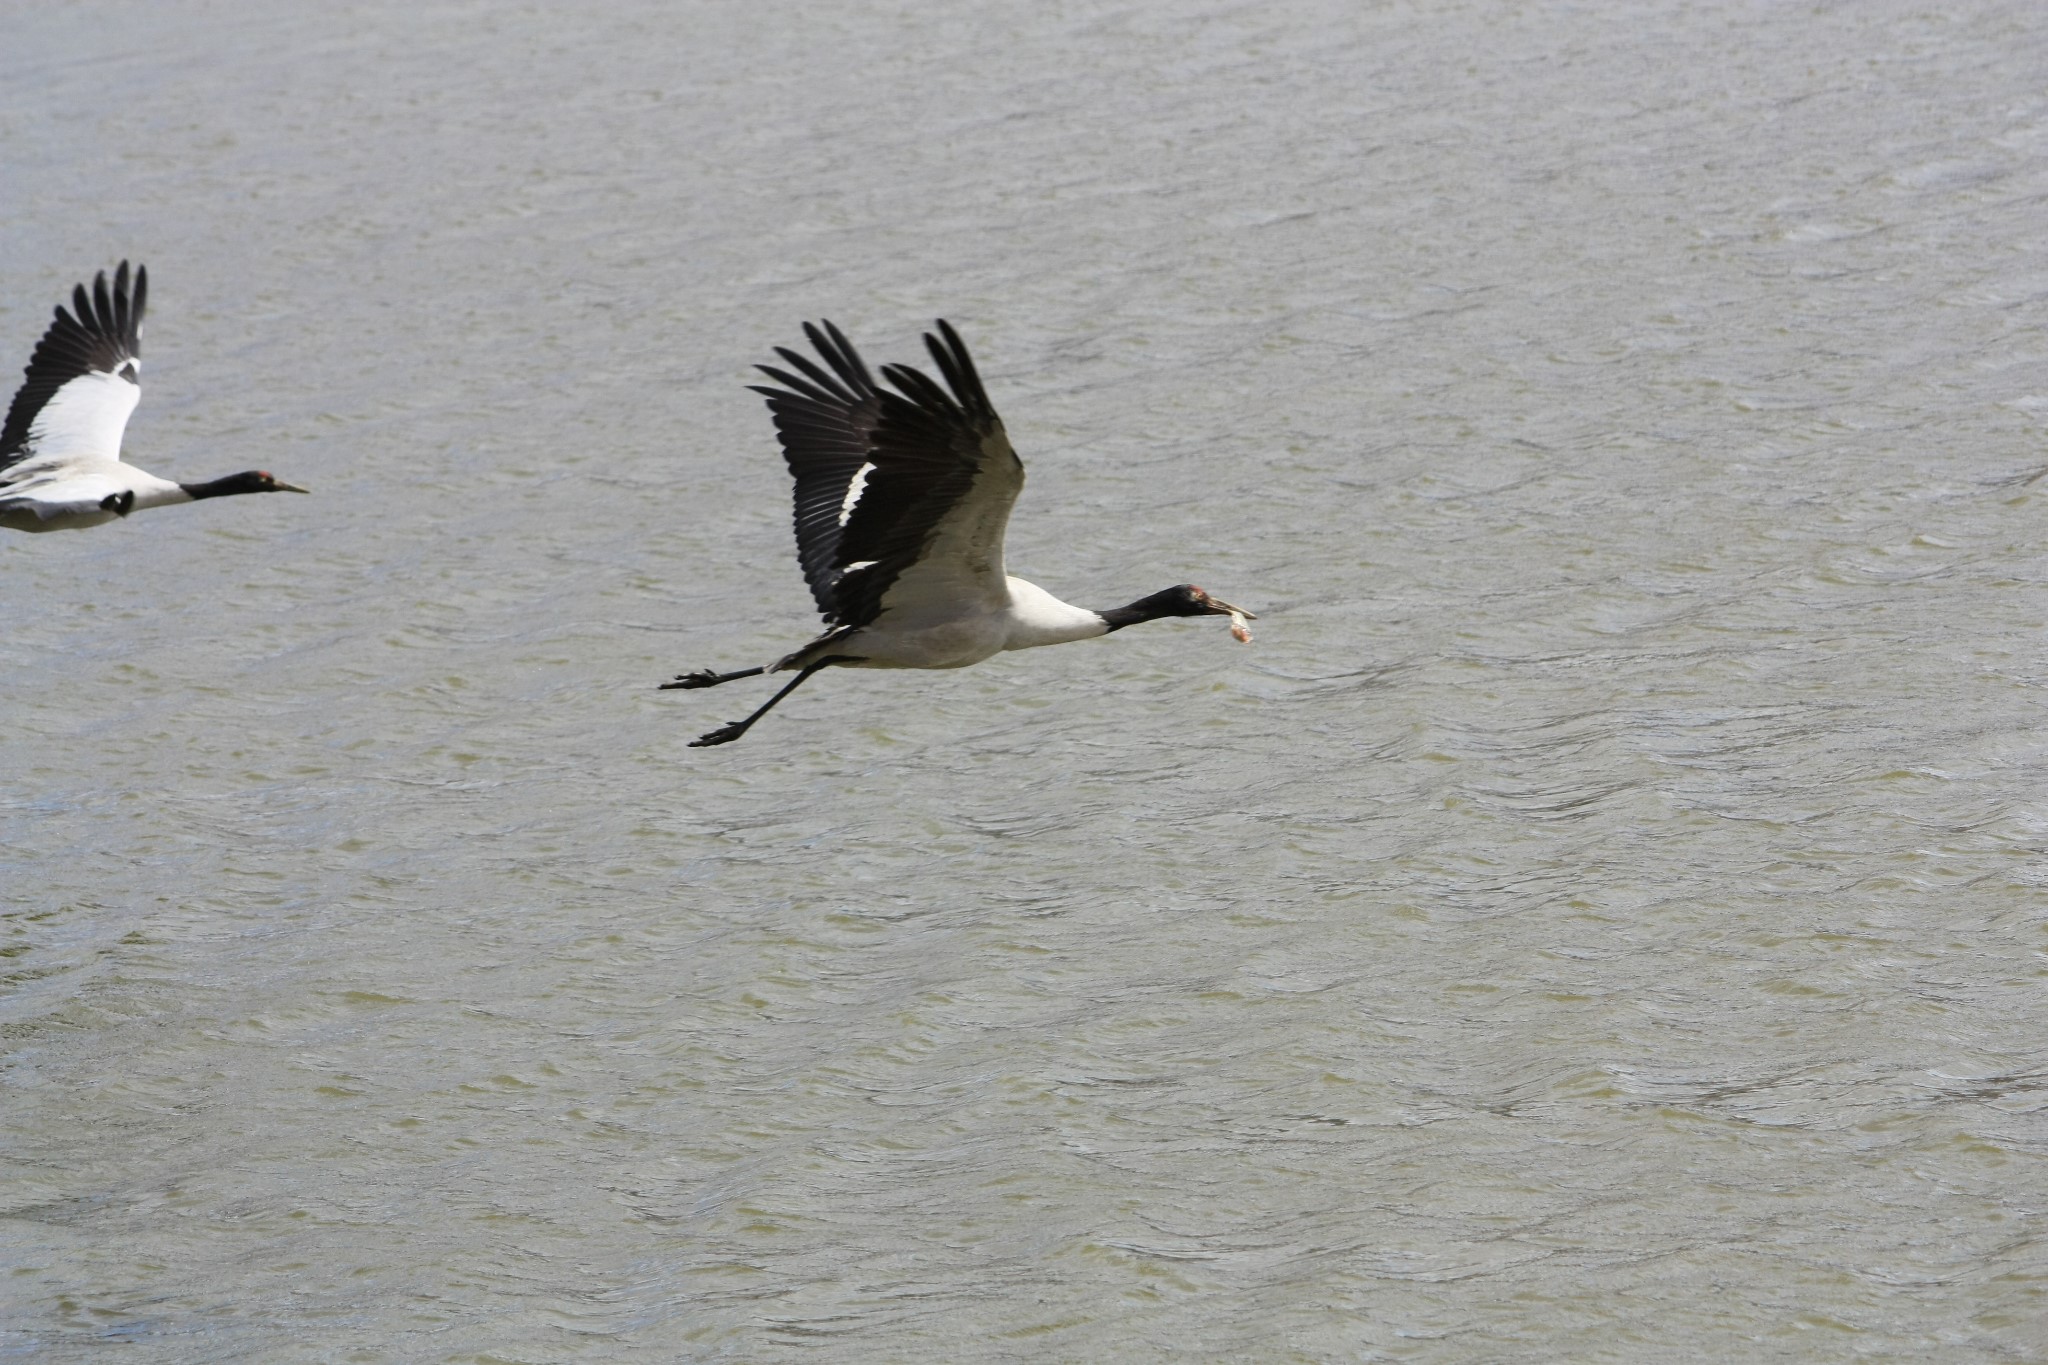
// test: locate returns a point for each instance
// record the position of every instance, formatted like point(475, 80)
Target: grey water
point(1603, 915)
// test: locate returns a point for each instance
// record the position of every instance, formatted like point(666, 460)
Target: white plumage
point(60, 450)
point(902, 499)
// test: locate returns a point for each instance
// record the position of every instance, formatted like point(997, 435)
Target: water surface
point(1601, 918)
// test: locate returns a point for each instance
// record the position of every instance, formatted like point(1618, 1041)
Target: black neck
point(1172, 602)
point(233, 483)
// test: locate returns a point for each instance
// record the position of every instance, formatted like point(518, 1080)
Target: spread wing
point(83, 380)
point(900, 495)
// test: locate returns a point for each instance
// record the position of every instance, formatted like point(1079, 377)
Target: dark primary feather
point(965, 380)
point(926, 446)
point(824, 423)
point(105, 334)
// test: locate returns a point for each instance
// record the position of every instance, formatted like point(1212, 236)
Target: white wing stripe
point(853, 491)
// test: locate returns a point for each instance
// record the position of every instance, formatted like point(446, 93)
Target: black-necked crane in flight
point(901, 502)
point(60, 451)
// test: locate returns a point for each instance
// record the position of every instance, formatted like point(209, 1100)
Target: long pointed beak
point(1219, 607)
point(281, 486)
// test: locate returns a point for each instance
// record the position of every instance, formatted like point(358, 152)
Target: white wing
point(81, 384)
point(84, 420)
point(960, 570)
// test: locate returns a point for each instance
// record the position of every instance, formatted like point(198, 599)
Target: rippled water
point(1601, 918)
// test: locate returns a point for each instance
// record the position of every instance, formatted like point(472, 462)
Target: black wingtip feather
point(793, 387)
point(840, 354)
point(845, 388)
point(845, 349)
point(956, 365)
point(918, 387)
point(122, 317)
point(962, 374)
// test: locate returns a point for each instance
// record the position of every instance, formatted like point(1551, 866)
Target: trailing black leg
point(704, 677)
point(726, 734)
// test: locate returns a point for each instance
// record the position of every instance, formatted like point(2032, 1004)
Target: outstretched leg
point(704, 677)
point(726, 734)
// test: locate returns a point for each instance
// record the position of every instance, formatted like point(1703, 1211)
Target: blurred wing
point(909, 492)
point(83, 380)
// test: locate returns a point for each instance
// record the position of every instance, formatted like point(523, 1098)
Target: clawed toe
point(724, 734)
point(703, 677)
